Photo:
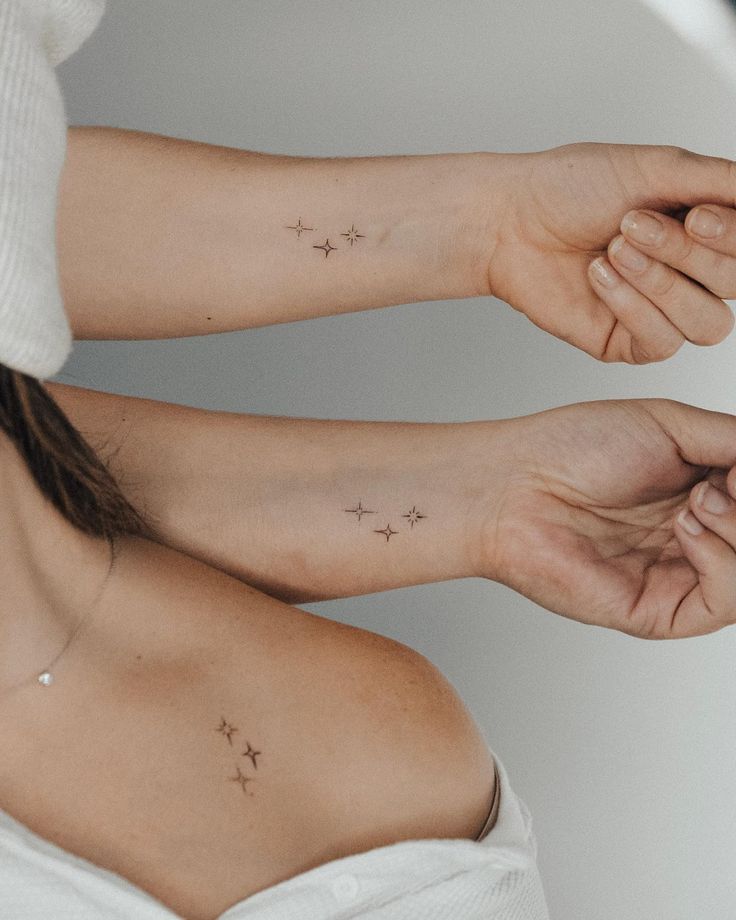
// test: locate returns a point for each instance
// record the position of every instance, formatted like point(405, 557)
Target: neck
point(50, 572)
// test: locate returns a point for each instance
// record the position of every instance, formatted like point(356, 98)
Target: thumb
point(701, 436)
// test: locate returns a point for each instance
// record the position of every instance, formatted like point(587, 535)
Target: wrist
point(488, 466)
point(483, 196)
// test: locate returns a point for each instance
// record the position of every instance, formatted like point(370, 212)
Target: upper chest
point(212, 742)
point(194, 786)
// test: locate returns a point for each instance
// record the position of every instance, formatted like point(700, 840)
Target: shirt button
point(345, 887)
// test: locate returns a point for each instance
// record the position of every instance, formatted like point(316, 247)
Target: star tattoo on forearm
point(351, 236)
point(412, 517)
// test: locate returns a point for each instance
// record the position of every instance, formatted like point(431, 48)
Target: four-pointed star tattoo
point(352, 236)
point(413, 517)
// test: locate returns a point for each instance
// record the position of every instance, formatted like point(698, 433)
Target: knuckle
point(685, 247)
point(661, 279)
point(639, 355)
point(668, 350)
point(718, 329)
point(732, 174)
point(678, 153)
point(661, 352)
point(724, 291)
point(664, 407)
point(723, 270)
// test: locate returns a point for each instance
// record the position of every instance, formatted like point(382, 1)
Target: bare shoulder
point(368, 742)
point(206, 741)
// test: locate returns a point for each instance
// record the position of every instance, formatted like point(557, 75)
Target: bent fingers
point(651, 336)
point(706, 531)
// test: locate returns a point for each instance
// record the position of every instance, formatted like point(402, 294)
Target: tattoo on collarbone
point(351, 236)
point(252, 753)
point(412, 517)
point(227, 730)
point(241, 779)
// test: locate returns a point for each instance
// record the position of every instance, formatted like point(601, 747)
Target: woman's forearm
point(160, 237)
point(303, 509)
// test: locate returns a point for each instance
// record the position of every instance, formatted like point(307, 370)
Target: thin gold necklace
point(46, 677)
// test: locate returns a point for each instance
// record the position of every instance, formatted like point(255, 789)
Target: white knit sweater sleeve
point(35, 36)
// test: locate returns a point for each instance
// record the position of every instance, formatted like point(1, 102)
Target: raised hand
point(563, 215)
point(588, 521)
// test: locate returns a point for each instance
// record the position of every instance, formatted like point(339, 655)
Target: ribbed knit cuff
point(35, 35)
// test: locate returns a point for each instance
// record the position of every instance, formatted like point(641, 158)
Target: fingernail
point(713, 500)
point(643, 227)
point(705, 223)
point(691, 524)
point(603, 272)
point(628, 256)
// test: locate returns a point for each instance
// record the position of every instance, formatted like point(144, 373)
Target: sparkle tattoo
point(300, 228)
point(226, 729)
point(242, 779)
point(387, 532)
point(413, 516)
point(360, 510)
point(352, 235)
point(252, 754)
point(326, 247)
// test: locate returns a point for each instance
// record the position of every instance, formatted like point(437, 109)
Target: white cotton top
point(434, 879)
point(35, 36)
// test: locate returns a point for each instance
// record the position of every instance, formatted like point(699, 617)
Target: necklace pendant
point(46, 678)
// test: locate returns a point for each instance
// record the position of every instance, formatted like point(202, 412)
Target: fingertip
point(689, 524)
point(695, 492)
point(627, 220)
point(725, 323)
point(615, 244)
point(730, 321)
point(705, 223)
point(603, 273)
point(717, 478)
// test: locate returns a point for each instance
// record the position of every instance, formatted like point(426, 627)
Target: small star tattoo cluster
point(352, 236)
point(412, 517)
point(227, 730)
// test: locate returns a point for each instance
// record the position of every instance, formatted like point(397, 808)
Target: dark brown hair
point(65, 467)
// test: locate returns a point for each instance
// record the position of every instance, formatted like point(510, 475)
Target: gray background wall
point(624, 750)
